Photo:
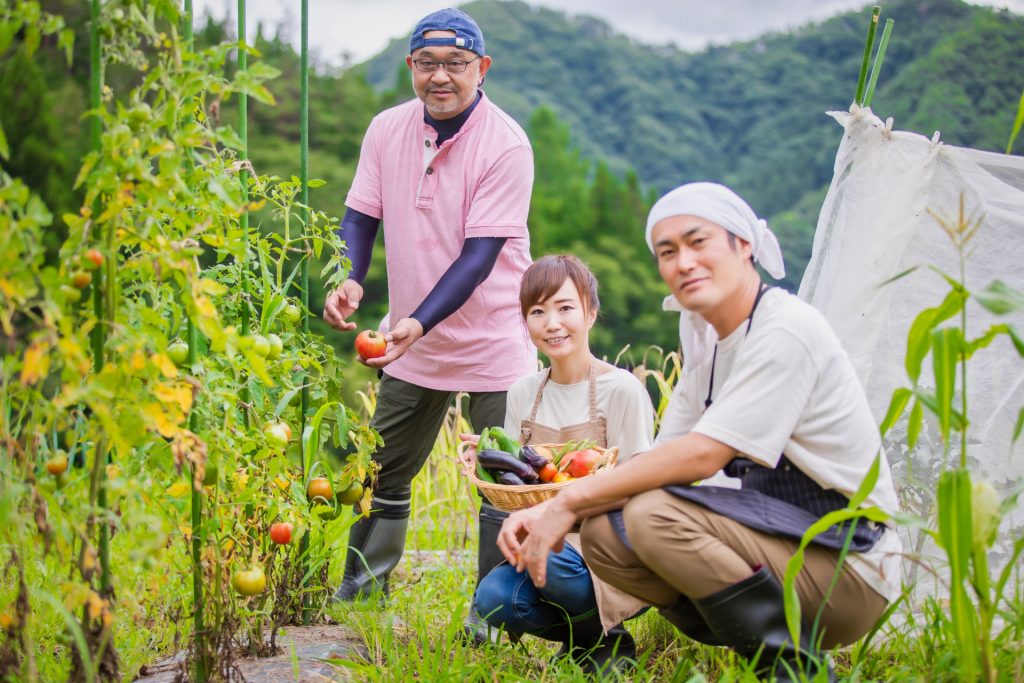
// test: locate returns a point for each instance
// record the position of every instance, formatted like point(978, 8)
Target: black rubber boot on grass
point(375, 546)
point(475, 630)
point(750, 617)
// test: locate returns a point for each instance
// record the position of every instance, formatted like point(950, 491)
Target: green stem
point(868, 44)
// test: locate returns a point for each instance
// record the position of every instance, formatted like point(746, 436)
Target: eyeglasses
point(452, 66)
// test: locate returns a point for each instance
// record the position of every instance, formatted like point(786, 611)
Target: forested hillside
point(613, 123)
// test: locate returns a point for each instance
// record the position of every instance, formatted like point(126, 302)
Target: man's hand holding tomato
point(344, 301)
point(403, 335)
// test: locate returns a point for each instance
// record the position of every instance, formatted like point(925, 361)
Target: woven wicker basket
point(512, 498)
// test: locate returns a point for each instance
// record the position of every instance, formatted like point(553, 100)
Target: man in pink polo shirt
point(450, 176)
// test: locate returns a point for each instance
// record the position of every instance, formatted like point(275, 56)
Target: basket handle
point(465, 457)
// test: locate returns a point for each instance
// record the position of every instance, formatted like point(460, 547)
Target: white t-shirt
point(621, 399)
point(789, 387)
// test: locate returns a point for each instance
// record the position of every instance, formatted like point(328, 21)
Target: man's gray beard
point(444, 109)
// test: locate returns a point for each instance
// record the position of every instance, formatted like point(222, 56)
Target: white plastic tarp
point(877, 221)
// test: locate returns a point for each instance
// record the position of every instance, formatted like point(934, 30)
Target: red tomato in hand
point(583, 462)
point(281, 533)
point(371, 344)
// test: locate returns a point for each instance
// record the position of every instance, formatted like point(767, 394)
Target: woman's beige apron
point(613, 604)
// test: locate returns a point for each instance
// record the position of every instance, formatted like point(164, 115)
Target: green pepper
point(485, 443)
point(503, 441)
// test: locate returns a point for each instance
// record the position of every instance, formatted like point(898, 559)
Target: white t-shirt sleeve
point(775, 371)
point(630, 417)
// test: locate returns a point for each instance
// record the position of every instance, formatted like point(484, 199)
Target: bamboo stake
point(879, 59)
point(875, 11)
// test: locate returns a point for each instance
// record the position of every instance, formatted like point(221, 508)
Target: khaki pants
point(682, 548)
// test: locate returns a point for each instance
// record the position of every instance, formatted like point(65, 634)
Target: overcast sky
point(361, 28)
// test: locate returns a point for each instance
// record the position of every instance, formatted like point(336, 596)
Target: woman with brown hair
point(578, 397)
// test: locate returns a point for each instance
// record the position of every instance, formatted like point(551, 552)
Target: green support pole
point(304, 273)
point(100, 283)
point(199, 637)
point(243, 156)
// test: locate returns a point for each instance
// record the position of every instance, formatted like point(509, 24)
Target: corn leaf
point(1000, 298)
point(914, 424)
point(945, 354)
point(867, 484)
point(796, 562)
point(896, 407)
point(1017, 123)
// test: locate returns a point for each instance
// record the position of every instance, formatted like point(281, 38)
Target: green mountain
point(613, 123)
point(751, 114)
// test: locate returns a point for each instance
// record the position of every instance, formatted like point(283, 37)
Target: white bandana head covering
point(722, 206)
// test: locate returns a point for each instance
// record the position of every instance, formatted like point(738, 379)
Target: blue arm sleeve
point(359, 232)
point(472, 267)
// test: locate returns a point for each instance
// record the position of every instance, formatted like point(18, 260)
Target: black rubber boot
point(375, 545)
point(685, 617)
point(475, 630)
point(750, 617)
point(591, 648)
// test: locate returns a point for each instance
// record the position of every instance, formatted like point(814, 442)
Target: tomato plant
point(177, 351)
point(351, 494)
point(319, 490)
point(281, 533)
point(93, 259)
point(58, 464)
point(249, 582)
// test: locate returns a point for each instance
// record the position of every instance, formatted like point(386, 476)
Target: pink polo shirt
point(476, 185)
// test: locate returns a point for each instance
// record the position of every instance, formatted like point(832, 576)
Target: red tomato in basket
point(583, 462)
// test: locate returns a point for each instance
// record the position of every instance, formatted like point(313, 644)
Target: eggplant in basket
point(506, 462)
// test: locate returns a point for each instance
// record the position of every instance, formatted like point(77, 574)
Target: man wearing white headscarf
point(769, 396)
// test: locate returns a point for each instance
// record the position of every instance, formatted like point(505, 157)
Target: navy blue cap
point(467, 36)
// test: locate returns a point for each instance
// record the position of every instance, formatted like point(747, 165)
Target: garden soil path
point(310, 644)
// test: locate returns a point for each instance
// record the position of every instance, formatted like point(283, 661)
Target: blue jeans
point(507, 599)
